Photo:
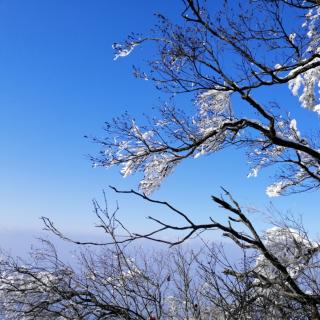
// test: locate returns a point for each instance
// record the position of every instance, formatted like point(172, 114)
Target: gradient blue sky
point(58, 82)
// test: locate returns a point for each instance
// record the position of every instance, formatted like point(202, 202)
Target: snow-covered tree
point(218, 54)
point(221, 53)
point(276, 278)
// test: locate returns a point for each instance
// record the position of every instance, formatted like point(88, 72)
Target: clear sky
point(58, 82)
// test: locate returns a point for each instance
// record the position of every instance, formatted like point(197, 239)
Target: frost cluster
point(265, 157)
point(135, 155)
point(213, 102)
point(123, 50)
point(301, 168)
point(293, 250)
point(275, 189)
point(214, 109)
point(307, 84)
point(299, 178)
point(23, 289)
point(157, 150)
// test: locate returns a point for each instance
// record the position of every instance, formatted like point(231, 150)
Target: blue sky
point(58, 82)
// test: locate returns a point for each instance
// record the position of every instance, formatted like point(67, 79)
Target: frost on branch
point(275, 189)
point(212, 102)
point(298, 257)
point(157, 148)
point(292, 248)
point(302, 175)
point(306, 85)
point(22, 290)
point(123, 50)
point(309, 83)
point(299, 180)
point(139, 149)
point(300, 172)
point(214, 108)
point(156, 170)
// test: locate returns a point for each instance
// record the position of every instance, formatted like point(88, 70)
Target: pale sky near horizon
point(58, 82)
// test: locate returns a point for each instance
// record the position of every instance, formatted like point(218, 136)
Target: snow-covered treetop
point(215, 56)
point(292, 248)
